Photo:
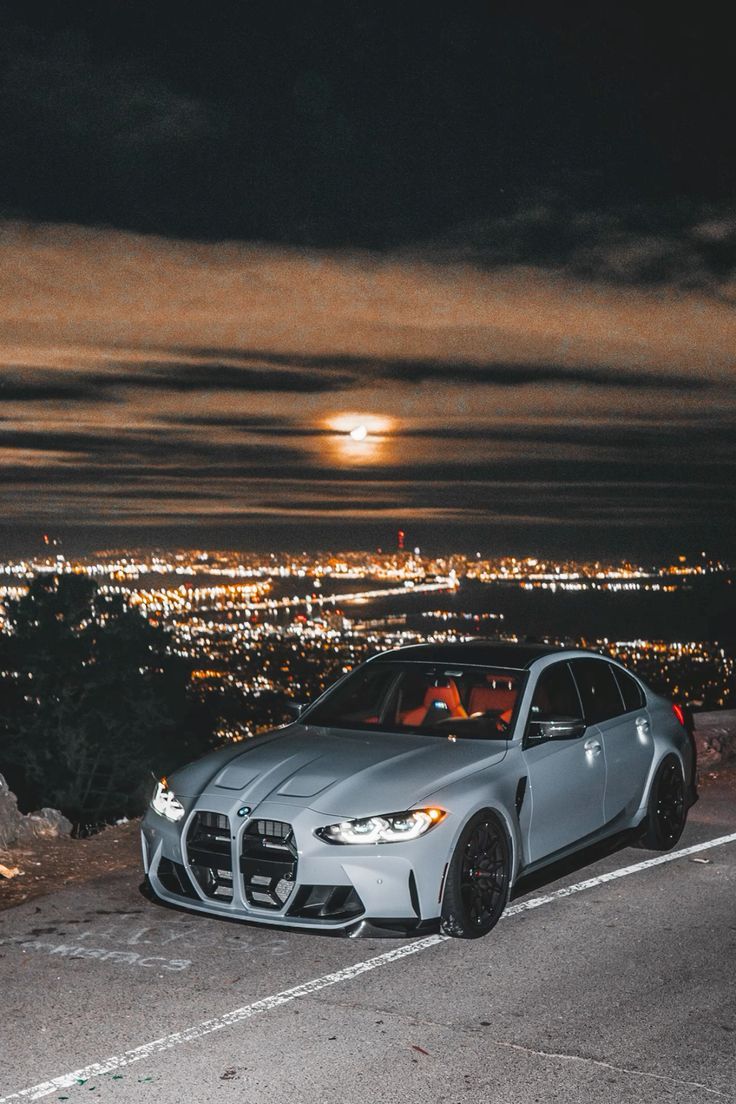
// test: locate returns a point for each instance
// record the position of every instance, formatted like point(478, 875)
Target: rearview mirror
point(555, 728)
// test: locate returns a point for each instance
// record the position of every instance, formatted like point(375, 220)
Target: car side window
point(598, 689)
point(630, 689)
point(555, 695)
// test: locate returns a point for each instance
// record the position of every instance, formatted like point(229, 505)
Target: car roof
point(487, 653)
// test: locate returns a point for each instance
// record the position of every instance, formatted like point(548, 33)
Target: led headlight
point(389, 828)
point(165, 803)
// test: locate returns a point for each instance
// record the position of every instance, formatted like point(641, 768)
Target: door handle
point(642, 730)
point(593, 747)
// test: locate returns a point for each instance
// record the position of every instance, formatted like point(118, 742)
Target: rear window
point(630, 689)
point(466, 702)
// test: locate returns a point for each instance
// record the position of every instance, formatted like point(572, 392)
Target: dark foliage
point(92, 702)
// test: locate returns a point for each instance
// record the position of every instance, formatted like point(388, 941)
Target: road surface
point(591, 989)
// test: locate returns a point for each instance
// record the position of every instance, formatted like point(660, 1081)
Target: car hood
point(341, 773)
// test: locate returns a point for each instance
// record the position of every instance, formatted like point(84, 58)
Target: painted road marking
point(613, 875)
point(239, 1015)
point(74, 945)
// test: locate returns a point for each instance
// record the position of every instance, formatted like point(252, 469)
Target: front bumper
point(270, 868)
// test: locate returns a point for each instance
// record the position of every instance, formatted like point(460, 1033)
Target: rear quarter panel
point(669, 737)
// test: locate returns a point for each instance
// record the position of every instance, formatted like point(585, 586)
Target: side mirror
point(295, 708)
point(555, 728)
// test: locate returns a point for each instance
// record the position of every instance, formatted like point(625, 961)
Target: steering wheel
point(493, 714)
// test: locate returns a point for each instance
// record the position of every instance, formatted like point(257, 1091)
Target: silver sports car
point(417, 790)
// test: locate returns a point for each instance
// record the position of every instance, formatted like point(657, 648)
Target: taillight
point(679, 713)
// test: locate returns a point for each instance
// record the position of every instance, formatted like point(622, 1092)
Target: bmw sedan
point(415, 792)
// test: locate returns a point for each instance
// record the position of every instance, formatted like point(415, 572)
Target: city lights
point(263, 629)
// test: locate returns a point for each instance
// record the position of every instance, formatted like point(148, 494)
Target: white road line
point(613, 875)
point(238, 1015)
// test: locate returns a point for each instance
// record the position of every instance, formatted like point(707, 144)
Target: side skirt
point(616, 831)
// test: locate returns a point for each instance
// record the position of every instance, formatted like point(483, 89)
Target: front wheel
point(478, 879)
point(667, 809)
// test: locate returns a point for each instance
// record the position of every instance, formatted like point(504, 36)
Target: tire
point(478, 878)
point(667, 809)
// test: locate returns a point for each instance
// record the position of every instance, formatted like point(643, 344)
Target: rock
point(15, 827)
point(48, 822)
point(11, 819)
point(715, 737)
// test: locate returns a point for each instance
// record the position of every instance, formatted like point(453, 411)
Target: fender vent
point(520, 793)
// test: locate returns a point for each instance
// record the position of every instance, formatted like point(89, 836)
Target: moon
point(357, 437)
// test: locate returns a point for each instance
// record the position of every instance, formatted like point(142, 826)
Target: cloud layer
point(150, 385)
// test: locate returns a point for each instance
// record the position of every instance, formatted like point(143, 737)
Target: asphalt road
point(623, 991)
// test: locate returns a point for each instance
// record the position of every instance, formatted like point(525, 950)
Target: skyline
point(268, 626)
point(260, 302)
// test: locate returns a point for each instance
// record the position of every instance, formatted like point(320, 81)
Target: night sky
point(498, 247)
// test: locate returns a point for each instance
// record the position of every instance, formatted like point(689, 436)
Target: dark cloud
point(216, 376)
point(349, 123)
point(363, 370)
point(681, 244)
point(158, 448)
point(519, 375)
point(150, 495)
point(265, 427)
point(620, 506)
point(183, 377)
point(519, 468)
point(684, 441)
point(36, 385)
point(298, 374)
point(28, 385)
point(171, 461)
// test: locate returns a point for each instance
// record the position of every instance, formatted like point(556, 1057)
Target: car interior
point(467, 702)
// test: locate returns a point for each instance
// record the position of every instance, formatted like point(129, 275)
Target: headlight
point(165, 803)
point(389, 828)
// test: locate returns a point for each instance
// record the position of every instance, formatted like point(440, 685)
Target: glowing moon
point(358, 438)
point(359, 426)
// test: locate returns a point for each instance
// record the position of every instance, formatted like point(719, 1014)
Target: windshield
point(433, 699)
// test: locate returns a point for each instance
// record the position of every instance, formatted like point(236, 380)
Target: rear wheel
point(667, 810)
point(478, 879)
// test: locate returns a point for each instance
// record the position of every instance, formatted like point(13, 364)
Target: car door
point(566, 777)
point(614, 701)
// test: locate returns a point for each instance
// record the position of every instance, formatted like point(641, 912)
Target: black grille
point(270, 829)
point(327, 903)
point(268, 863)
point(210, 854)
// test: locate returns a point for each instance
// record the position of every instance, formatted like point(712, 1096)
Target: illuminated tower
point(400, 539)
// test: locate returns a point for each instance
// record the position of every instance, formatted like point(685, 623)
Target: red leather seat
point(485, 698)
point(449, 694)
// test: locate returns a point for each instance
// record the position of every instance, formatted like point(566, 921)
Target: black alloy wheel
point(478, 879)
point(667, 810)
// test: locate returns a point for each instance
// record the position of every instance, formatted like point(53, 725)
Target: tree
point(92, 701)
